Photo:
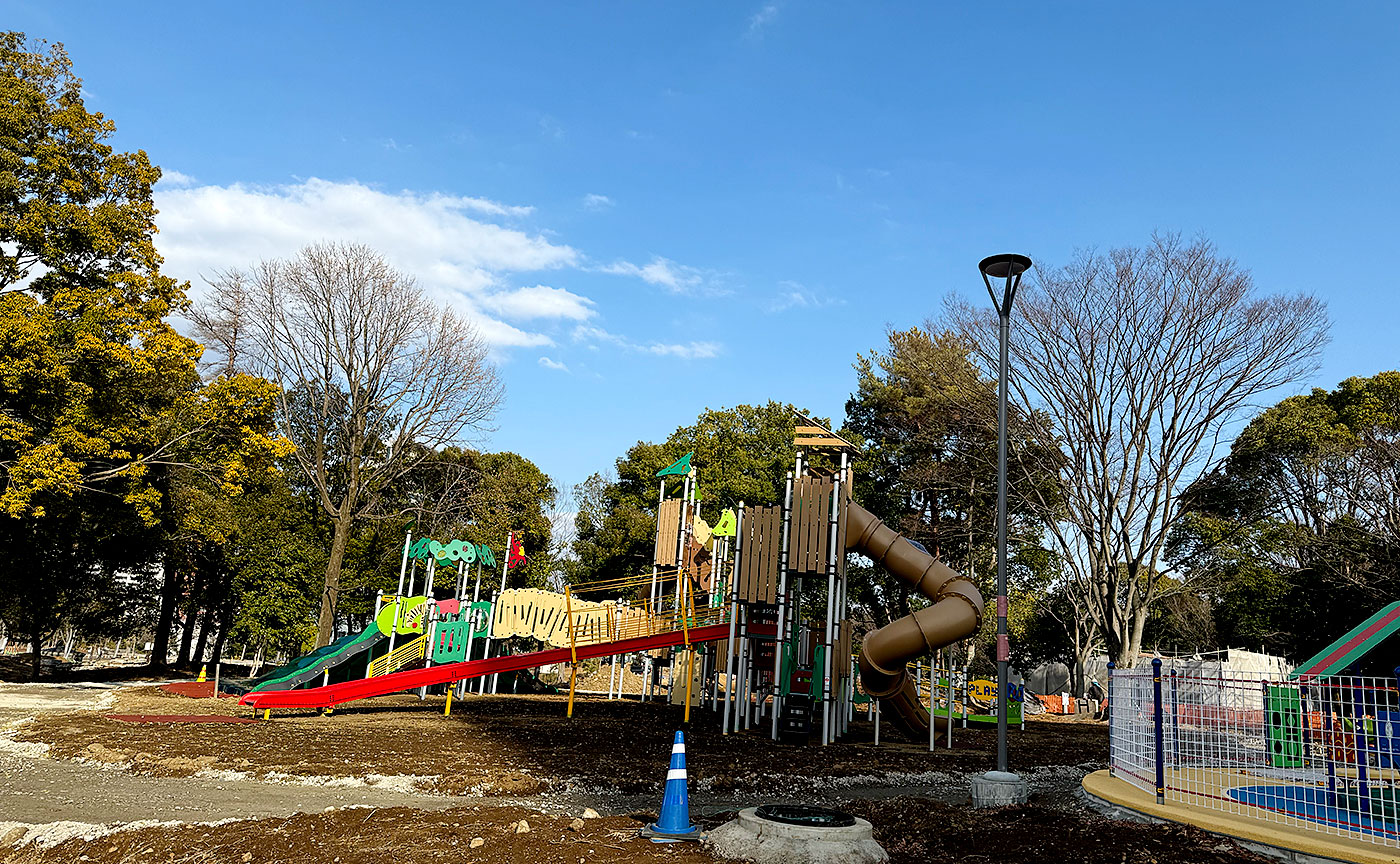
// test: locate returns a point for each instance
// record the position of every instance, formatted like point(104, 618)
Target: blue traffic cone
point(674, 823)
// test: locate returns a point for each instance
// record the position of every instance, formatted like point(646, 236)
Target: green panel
point(1283, 723)
point(451, 641)
point(410, 616)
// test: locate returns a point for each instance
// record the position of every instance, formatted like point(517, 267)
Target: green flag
point(678, 468)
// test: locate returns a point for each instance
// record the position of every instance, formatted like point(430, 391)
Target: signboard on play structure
point(985, 691)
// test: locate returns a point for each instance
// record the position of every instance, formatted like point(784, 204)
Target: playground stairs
point(400, 658)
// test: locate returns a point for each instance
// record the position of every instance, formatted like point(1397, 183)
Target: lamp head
point(1003, 266)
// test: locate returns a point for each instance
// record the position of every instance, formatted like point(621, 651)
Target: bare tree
point(1137, 363)
point(374, 377)
point(220, 323)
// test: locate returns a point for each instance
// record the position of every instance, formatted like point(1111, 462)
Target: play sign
point(983, 690)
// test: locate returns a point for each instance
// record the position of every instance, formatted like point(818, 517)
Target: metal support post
point(403, 568)
point(731, 691)
point(782, 604)
point(828, 733)
point(1010, 268)
point(1157, 728)
point(1110, 718)
point(505, 568)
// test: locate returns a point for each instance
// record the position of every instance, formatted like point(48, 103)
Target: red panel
point(350, 691)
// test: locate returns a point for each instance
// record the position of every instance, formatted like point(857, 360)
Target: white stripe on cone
point(679, 748)
point(675, 774)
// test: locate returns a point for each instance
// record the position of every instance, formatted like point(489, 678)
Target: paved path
point(35, 789)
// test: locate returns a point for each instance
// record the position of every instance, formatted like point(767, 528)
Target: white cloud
point(551, 128)
point(465, 251)
point(593, 201)
point(676, 278)
point(170, 178)
point(793, 295)
point(761, 19)
point(499, 334)
point(458, 255)
point(540, 301)
point(686, 350)
point(548, 363)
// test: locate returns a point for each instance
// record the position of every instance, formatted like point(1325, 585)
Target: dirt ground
point(919, 831)
point(616, 752)
point(521, 745)
point(368, 836)
point(912, 830)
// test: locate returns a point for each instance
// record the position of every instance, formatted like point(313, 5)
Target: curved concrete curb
point(750, 838)
point(1119, 799)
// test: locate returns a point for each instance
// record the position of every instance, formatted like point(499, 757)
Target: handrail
point(399, 657)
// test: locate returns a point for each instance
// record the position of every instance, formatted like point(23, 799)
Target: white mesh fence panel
point(1132, 748)
point(1320, 755)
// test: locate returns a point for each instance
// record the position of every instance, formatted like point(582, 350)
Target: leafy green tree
point(741, 454)
point(275, 559)
point(927, 416)
point(455, 493)
point(100, 399)
point(97, 390)
point(1300, 527)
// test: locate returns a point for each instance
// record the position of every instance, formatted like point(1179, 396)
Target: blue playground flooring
point(1319, 805)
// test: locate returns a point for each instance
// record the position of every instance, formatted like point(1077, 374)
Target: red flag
point(517, 555)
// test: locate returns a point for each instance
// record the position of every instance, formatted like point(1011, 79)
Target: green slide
point(313, 665)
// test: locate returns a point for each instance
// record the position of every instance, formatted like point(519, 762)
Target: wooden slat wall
point(811, 513)
point(841, 655)
point(758, 577)
point(668, 528)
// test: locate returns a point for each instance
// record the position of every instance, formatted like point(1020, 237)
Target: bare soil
point(912, 830)
point(368, 836)
point(919, 831)
point(522, 745)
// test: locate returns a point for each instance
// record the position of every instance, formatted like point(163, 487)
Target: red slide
point(349, 691)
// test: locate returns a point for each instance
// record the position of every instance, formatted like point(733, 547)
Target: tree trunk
point(325, 624)
point(225, 613)
point(36, 644)
point(169, 596)
point(212, 602)
point(204, 623)
point(191, 618)
point(1138, 624)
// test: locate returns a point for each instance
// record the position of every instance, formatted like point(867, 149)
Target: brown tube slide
point(955, 614)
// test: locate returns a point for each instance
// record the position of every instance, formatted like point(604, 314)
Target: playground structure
point(1313, 757)
point(789, 661)
point(752, 583)
point(440, 634)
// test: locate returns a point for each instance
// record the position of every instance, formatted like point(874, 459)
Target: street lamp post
point(1009, 269)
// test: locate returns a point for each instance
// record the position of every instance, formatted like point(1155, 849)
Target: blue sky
point(655, 208)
